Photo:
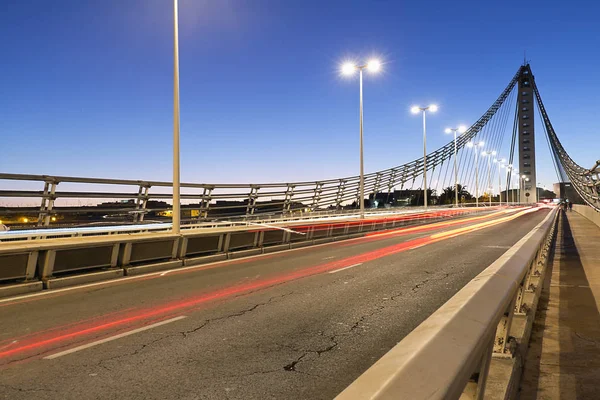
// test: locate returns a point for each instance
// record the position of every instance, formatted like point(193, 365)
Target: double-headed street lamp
point(460, 129)
point(348, 69)
point(416, 110)
point(476, 146)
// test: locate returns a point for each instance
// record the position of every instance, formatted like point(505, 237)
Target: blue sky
point(87, 85)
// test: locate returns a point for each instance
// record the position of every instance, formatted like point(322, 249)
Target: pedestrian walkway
point(563, 361)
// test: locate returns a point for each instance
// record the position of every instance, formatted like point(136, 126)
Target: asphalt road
point(301, 324)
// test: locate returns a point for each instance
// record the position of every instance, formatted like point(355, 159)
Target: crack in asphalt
point(185, 334)
point(236, 314)
point(423, 282)
point(18, 389)
point(335, 342)
point(334, 338)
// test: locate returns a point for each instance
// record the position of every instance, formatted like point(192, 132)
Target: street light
point(416, 110)
point(348, 69)
point(476, 145)
point(488, 154)
point(500, 166)
point(522, 183)
point(513, 171)
point(460, 129)
point(176, 189)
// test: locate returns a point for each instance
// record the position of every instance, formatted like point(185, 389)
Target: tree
point(447, 196)
point(419, 200)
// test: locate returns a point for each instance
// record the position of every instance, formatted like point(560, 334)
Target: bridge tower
point(526, 142)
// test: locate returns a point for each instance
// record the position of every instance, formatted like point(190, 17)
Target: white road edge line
point(341, 269)
point(109, 339)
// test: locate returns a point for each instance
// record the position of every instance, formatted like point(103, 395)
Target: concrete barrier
point(448, 356)
point(50, 259)
point(18, 264)
point(588, 212)
point(200, 244)
point(150, 248)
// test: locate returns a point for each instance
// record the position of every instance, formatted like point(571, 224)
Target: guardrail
point(56, 261)
point(64, 232)
point(201, 200)
point(448, 356)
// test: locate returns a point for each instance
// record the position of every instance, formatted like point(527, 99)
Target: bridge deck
point(564, 356)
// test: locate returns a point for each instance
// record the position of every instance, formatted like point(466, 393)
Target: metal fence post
point(205, 201)
point(289, 195)
point(141, 202)
point(48, 197)
point(316, 196)
point(250, 208)
point(339, 197)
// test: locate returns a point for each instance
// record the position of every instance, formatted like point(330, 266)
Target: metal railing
point(264, 221)
point(448, 356)
point(204, 201)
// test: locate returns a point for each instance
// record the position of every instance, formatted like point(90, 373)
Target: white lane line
point(8, 345)
point(109, 339)
point(416, 247)
point(341, 269)
point(328, 258)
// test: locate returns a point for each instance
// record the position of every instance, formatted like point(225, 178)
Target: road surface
point(300, 324)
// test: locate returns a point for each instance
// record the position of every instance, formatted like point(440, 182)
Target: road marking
point(328, 258)
point(109, 339)
point(498, 247)
point(166, 272)
point(8, 345)
point(341, 269)
point(421, 245)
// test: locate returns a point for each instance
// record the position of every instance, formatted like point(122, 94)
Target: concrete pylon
point(526, 142)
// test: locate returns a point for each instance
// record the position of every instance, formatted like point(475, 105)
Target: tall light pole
point(519, 181)
point(513, 171)
point(460, 129)
point(476, 145)
point(176, 199)
point(500, 167)
point(348, 69)
point(488, 154)
point(416, 110)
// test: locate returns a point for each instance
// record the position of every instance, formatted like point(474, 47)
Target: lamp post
point(489, 153)
point(500, 166)
point(521, 185)
point(176, 178)
point(416, 110)
point(460, 129)
point(517, 178)
point(476, 145)
point(349, 69)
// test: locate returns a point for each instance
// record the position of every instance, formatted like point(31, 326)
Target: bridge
point(451, 276)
